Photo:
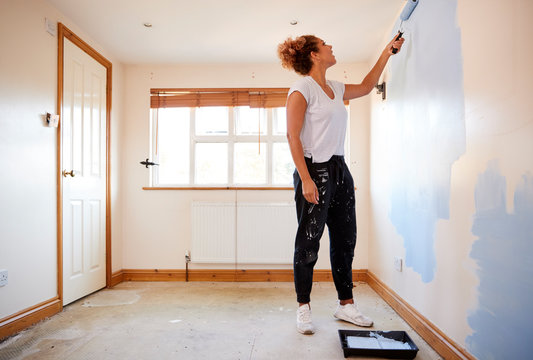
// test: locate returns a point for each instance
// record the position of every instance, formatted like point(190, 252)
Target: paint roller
point(406, 13)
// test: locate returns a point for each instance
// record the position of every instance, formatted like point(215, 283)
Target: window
point(220, 138)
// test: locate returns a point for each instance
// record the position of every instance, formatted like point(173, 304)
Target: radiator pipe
point(187, 261)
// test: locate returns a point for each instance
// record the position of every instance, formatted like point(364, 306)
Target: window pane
point(248, 120)
point(211, 163)
point(280, 121)
point(212, 120)
point(282, 165)
point(173, 145)
point(250, 163)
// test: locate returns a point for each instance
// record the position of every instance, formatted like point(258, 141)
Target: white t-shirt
point(324, 127)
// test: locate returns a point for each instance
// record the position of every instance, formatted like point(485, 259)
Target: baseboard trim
point(442, 344)
point(19, 321)
point(116, 278)
point(254, 275)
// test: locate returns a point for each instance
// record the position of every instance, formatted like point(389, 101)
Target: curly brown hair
point(296, 54)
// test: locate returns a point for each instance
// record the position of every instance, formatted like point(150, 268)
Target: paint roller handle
point(394, 50)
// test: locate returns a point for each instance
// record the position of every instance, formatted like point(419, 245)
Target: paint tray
point(384, 344)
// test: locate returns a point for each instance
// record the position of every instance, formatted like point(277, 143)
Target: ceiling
point(229, 31)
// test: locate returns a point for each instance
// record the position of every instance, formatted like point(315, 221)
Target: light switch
point(51, 26)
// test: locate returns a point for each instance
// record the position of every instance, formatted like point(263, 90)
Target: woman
point(324, 188)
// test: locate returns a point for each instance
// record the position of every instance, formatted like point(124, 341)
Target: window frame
point(232, 138)
point(268, 97)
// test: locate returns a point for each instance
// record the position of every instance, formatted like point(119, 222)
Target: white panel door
point(84, 174)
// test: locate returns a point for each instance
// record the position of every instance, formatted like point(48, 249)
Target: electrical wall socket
point(3, 277)
point(398, 263)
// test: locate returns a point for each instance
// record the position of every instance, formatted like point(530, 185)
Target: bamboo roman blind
point(255, 98)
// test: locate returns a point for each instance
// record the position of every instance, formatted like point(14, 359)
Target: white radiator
point(246, 233)
point(213, 232)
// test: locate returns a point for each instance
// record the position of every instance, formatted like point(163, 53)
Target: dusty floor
point(199, 320)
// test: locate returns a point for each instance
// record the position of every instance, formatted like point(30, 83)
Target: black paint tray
point(385, 344)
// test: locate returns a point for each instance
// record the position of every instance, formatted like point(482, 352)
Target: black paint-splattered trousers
point(336, 208)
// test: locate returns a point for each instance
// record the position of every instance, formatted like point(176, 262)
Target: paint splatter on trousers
point(336, 209)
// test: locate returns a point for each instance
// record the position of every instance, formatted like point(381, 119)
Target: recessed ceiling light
point(294, 22)
point(148, 25)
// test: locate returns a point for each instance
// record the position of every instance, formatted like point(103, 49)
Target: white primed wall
point(157, 224)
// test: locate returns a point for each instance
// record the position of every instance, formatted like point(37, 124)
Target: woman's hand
point(310, 191)
point(396, 44)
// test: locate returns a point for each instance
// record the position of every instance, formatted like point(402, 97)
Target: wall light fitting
point(382, 89)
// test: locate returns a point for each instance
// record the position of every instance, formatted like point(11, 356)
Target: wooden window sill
point(216, 188)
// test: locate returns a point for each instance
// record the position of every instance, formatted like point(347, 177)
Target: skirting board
point(223, 275)
point(441, 343)
point(21, 320)
point(116, 278)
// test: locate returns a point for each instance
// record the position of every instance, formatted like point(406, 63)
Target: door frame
point(66, 33)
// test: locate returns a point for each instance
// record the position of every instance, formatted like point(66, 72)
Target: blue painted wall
point(452, 108)
point(427, 128)
point(503, 323)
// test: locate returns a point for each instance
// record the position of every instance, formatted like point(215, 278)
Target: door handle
point(71, 173)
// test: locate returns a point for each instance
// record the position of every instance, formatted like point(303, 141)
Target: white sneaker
point(303, 320)
point(351, 313)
